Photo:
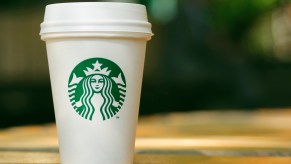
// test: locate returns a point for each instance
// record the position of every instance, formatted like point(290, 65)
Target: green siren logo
point(97, 86)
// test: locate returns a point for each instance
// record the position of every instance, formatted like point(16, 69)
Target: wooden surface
point(263, 136)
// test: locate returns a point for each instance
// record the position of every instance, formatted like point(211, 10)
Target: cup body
point(96, 79)
point(94, 141)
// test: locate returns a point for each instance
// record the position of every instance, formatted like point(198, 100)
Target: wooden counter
point(262, 136)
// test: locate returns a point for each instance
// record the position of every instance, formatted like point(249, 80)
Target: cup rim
point(96, 17)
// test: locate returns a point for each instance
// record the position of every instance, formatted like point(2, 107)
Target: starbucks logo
point(97, 88)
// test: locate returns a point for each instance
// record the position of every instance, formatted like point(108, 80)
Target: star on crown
point(97, 70)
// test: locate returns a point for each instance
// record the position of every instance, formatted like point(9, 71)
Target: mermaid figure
point(97, 92)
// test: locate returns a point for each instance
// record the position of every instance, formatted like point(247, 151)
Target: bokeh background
point(205, 55)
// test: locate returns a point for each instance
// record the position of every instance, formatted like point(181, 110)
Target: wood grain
point(263, 136)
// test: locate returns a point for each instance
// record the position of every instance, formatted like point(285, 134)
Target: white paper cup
point(96, 55)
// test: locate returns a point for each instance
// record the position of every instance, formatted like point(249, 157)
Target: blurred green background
point(205, 55)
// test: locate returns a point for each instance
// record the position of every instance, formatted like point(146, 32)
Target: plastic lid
point(96, 17)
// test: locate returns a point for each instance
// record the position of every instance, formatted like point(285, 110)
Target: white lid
point(96, 17)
